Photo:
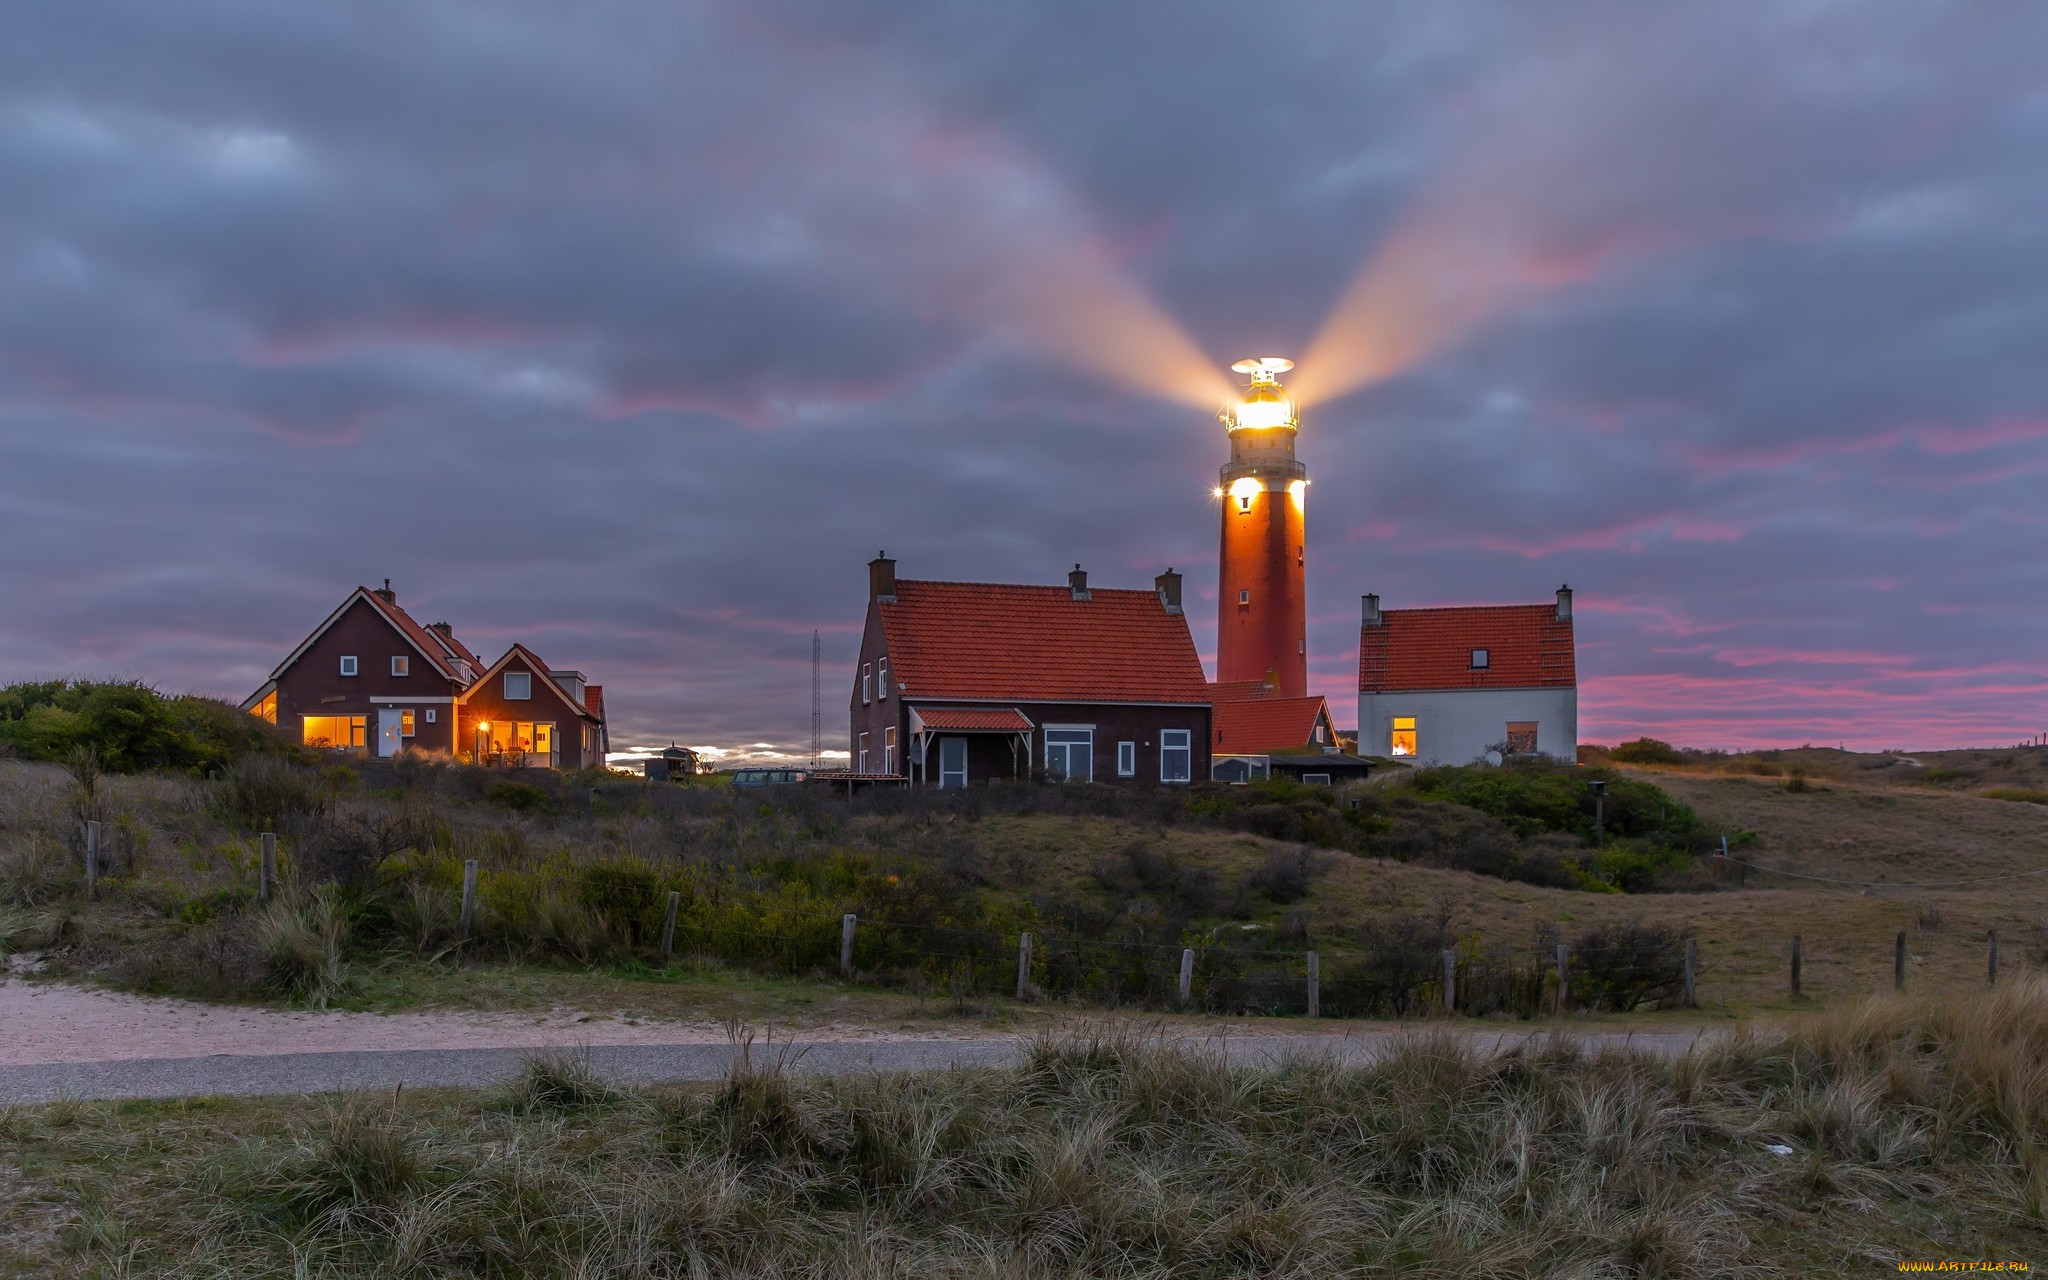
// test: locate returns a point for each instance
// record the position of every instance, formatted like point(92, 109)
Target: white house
point(1446, 686)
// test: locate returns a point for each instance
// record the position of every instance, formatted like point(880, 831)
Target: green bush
point(1646, 751)
point(2020, 795)
point(520, 797)
point(131, 727)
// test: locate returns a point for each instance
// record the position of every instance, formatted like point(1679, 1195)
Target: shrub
point(363, 1159)
point(1623, 966)
point(557, 1080)
point(2019, 795)
point(299, 939)
point(520, 797)
point(259, 793)
point(1285, 875)
point(1646, 751)
point(131, 727)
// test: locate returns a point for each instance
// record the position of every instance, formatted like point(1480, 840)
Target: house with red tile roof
point(960, 683)
point(1449, 685)
point(371, 680)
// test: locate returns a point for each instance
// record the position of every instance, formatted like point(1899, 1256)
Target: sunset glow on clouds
point(632, 332)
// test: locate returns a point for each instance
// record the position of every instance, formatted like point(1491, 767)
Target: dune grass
point(1894, 1130)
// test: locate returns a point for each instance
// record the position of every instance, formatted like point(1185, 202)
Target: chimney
point(1169, 589)
point(1564, 603)
point(882, 579)
point(1077, 582)
point(1369, 609)
point(442, 629)
point(386, 594)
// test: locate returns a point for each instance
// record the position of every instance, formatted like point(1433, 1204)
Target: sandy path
point(53, 1022)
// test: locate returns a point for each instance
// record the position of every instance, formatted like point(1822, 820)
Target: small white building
point(1446, 686)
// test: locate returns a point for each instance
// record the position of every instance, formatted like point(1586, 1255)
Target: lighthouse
point(1262, 605)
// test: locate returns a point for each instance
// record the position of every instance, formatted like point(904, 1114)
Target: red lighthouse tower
point(1262, 606)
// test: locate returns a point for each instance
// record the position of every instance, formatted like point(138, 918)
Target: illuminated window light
point(1244, 490)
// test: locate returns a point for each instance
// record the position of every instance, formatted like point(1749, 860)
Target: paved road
point(302, 1073)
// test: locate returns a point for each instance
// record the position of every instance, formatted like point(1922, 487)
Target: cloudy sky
point(631, 330)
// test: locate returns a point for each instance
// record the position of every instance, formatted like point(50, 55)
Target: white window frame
point(1166, 750)
point(867, 683)
point(861, 757)
point(944, 773)
point(1244, 596)
point(1045, 738)
point(889, 749)
point(1126, 759)
point(401, 665)
point(526, 690)
point(1315, 779)
point(430, 715)
point(349, 665)
point(882, 678)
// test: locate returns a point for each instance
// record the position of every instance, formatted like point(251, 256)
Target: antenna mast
point(817, 721)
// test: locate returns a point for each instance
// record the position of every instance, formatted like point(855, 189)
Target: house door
point(390, 724)
point(544, 744)
point(952, 762)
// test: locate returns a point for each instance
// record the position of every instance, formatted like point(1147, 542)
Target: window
point(1315, 779)
point(343, 733)
point(882, 678)
point(401, 665)
point(1481, 659)
point(405, 724)
point(1318, 735)
point(952, 762)
point(889, 750)
point(1126, 759)
point(266, 709)
point(520, 739)
point(1402, 741)
point(1176, 756)
point(861, 763)
point(348, 664)
point(1070, 752)
point(1244, 597)
point(518, 686)
point(1521, 737)
point(867, 684)
point(430, 715)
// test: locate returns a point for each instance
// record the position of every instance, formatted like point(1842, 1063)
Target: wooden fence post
point(1991, 958)
point(1899, 962)
point(668, 925)
point(468, 896)
point(1315, 987)
point(846, 945)
point(1187, 973)
point(266, 867)
point(1795, 966)
point(1692, 968)
point(1450, 981)
point(92, 857)
point(1023, 964)
point(1563, 968)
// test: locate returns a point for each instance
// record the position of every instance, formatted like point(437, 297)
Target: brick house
point(968, 682)
point(1449, 685)
point(372, 680)
point(520, 712)
point(1251, 722)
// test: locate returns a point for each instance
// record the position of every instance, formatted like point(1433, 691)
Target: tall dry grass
point(1863, 1136)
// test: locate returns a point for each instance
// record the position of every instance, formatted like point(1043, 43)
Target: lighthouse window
point(1244, 597)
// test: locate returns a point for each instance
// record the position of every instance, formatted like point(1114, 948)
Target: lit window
point(867, 685)
point(1521, 737)
point(889, 750)
point(348, 664)
point(266, 709)
point(1318, 734)
point(518, 686)
point(1402, 740)
point(341, 733)
point(1126, 759)
point(1244, 597)
point(1176, 755)
point(401, 666)
point(1481, 659)
point(882, 678)
point(430, 715)
point(861, 766)
point(405, 724)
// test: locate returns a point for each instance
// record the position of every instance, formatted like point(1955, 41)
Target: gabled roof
point(424, 642)
point(1009, 643)
point(1528, 647)
point(541, 679)
point(1258, 726)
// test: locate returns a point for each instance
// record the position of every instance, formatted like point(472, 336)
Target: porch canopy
point(927, 722)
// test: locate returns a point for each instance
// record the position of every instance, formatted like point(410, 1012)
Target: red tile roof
point(971, 719)
point(1016, 643)
point(593, 699)
point(1417, 649)
point(430, 644)
point(1258, 726)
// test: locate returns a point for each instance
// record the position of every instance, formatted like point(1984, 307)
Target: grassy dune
point(1898, 1130)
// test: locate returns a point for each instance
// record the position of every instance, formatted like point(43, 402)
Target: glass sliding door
point(952, 762)
point(1070, 753)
